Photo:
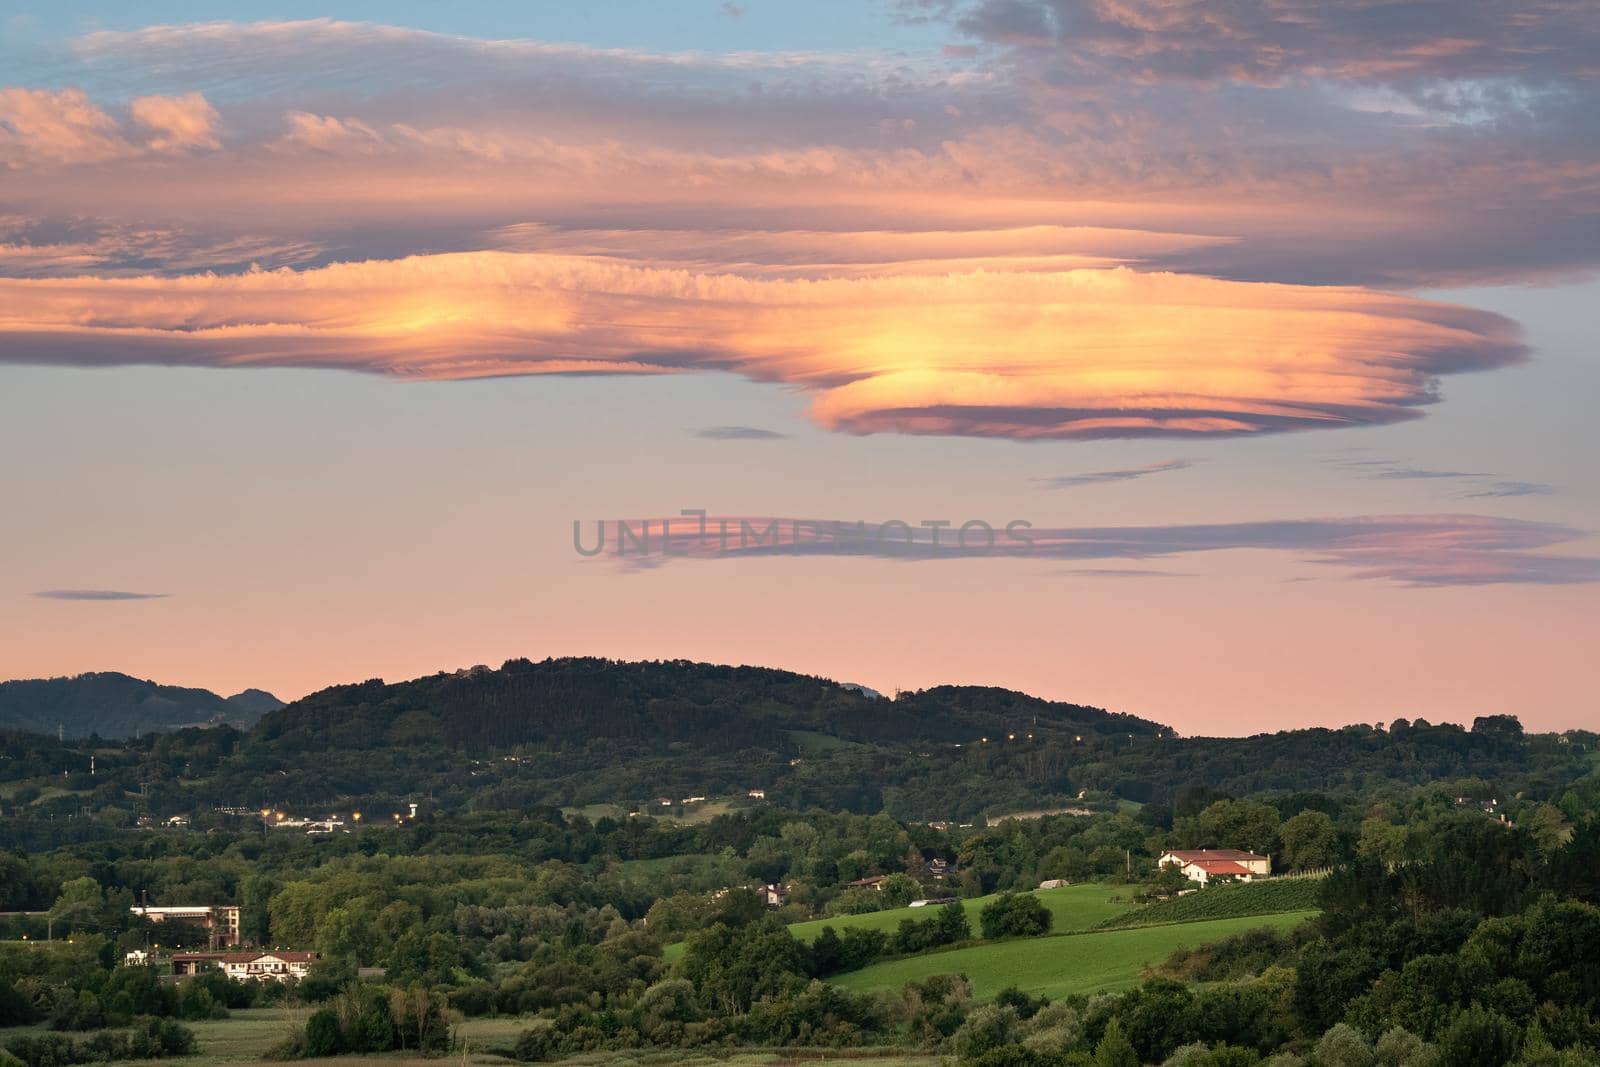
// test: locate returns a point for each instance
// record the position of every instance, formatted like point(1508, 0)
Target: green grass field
point(245, 1036)
point(1060, 966)
point(1075, 907)
point(1224, 902)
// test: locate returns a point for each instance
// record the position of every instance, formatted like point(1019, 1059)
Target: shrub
point(1014, 915)
point(323, 1036)
point(986, 1029)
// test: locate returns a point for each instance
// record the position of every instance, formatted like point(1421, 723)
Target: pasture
point(1064, 964)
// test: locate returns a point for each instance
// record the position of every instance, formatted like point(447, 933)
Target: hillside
point(572, 732)
point(1061, 965)
point(114, 705)
point(578, 732)
point(606, 737)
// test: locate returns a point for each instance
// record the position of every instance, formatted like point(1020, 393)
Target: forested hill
point(574, 732)
point(116, 705)
point(579, 732)
point(658, 705)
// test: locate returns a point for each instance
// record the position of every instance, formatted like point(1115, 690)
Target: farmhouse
point(775, 896)
point(247, 966)
point(874, 882)
point(1203, 864)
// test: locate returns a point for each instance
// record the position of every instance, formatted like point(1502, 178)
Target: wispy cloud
point(96, 594)
point(1488, 487)
point(738, 433)
point(1415, 550)
point(1407, 474)
point(1268, 43)
point(1122, 572)
point(1124, 474)
point(1512, 488)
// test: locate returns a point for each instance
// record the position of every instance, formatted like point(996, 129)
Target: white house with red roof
point(1203, 864)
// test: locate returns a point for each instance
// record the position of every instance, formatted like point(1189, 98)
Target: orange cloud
point(1036, 355)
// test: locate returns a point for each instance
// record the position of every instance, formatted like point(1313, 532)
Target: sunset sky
point(1274, 321)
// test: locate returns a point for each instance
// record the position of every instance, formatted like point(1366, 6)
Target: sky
point(1226, 364)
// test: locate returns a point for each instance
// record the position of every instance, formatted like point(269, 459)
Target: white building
point(1203, 864)
point(247, 966)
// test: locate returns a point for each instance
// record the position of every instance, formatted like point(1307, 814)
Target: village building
point(1203, 864)
point(220, 921)
point(874, 882)
point(247, 966)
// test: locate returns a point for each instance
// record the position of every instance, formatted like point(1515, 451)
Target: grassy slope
point(1059, 966)
point(1224, 902)
point(1075, 907)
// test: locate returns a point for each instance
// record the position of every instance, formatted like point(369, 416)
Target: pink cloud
point(176, 123)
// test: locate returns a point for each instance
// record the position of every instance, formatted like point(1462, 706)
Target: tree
point(83, 905)
point(1344, 1046)
point(953, 923)
point(899, 890)
point(1114, 1049)
point(1478, 1038)
point(1309, 840)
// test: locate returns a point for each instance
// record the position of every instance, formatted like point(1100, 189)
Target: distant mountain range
point(115, 705)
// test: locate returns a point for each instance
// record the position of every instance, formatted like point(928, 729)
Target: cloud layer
point(1415, 550)
point(1045, 233)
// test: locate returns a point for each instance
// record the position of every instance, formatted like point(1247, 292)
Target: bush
point(323, 1036)
point(1015, 915)
point(151, 1039)
point(537, 1044)
point(985, 1030)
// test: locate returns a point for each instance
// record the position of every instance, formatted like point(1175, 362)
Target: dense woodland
point(1460, 923)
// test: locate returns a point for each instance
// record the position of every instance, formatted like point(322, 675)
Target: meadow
point(1060, 965)
point(1074, 907)
point(246, 1036)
